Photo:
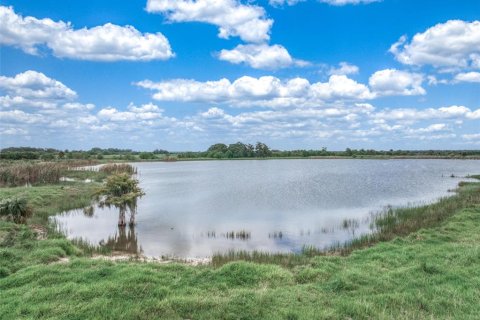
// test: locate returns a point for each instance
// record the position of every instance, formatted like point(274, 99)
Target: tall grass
point(26, 173)
point(115, 168)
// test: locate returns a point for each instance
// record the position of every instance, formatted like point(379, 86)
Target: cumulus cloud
point(102, 43)
point(34, 88)
point(264, 91)
point(19, 116)
point(269, 91)
point(396, 82)
point(331, 110)
point(260, 56)
point(144, 112)
point(344, 68)
point(247, 21)
point(412, 114)
point(468, 77)
point(451, 45)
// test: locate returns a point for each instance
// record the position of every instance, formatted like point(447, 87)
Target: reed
point(116, 168)
point(30, 173)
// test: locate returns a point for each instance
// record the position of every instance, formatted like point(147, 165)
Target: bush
point(15, 209)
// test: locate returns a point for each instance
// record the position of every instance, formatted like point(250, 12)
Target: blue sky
point(182, 75)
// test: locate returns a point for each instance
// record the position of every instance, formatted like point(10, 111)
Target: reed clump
point(30, 173)
point(117, 168)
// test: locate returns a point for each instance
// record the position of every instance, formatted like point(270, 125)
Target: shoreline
point(359, 241)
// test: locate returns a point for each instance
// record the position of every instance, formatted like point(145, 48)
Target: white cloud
point(345, 2)
point(20, 102)
point(35, 85)
point(20, 116)
point(14, 131)
point(468, 77)
point(79, 106)
point(264, 91)
point(411, 114)
point(134, 113)
point(396, 82)
point(450, 45)
point(249, 22)
point(261, 56)
point(434, 128)
point(344, 68)
point(277, 3)
point(472, 136)
point(102, 43)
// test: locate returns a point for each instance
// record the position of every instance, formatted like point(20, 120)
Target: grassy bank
point(423, 263)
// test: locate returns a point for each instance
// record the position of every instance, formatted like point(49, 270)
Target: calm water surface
point(195, 209)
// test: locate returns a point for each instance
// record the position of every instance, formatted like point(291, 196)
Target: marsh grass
point(30, 173)
point(116, 168)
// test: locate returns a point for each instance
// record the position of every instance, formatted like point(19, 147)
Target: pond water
point(198, 208)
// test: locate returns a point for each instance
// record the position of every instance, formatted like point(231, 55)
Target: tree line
point(219, 151)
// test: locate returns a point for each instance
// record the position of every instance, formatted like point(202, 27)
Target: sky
point(295, 74)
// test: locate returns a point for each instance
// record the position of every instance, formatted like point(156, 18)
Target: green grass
point(47, 200)
point(431, 271)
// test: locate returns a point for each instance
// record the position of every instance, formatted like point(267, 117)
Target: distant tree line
point(261, 150)
point(219, 151)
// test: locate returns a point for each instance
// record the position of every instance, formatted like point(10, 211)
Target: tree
point(217, 150)
point(121, 191)
point(238, 150)
point(262, 150)
point(147, 155)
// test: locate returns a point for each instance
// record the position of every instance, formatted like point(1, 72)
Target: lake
point(197, 208)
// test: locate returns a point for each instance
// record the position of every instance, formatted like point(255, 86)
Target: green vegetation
point(121, 191)
point(116, 168)
point(237, 150)
point(240, 150)
point(15, 209)
point(24, 173)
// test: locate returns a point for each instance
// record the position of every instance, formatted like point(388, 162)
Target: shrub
point(15, 209)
